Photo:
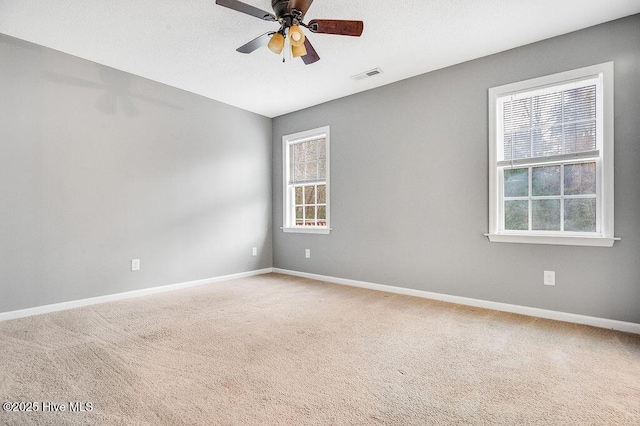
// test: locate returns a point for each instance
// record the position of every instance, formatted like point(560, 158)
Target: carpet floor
point(276, 349)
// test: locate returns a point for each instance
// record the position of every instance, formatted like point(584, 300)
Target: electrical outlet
point(135, 264)
point(307, 253)
point(254, 252)
point(549, 278)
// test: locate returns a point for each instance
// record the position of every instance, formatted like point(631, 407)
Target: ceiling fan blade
point(312, 55)
point(336, 26)
point(256, 43)
point(246, 8)
point(300, 5)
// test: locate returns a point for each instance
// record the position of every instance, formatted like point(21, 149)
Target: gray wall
point(98, 167)
point(409, 185)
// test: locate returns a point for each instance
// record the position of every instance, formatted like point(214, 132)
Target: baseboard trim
point(628, 327)
point(63, 306)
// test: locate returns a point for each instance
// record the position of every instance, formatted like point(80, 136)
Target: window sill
point(559, 240)
point(300, 230)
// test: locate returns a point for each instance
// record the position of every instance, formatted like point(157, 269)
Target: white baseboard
point(628, 327)
point(126, 295)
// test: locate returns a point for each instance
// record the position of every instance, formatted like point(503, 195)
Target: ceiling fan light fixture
point(296, 36)
point(298, 51)
point(289, 14)
point(276, 44)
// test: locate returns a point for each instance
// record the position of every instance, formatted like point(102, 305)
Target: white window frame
point(288, 197)
point(604, 236)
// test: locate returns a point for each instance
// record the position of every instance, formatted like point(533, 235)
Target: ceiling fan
point(289, 14)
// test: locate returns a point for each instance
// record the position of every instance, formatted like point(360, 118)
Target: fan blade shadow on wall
point(116, 91)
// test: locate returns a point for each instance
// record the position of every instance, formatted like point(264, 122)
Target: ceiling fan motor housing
point(280, 7)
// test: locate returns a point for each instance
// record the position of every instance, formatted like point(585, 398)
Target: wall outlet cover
point(549, 278)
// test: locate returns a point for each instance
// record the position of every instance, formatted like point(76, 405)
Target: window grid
point(317, 205)
point(561, 197)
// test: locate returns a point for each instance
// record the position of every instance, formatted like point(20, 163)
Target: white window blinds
point(549, 123)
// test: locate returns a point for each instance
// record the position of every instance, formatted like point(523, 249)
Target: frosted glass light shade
point(276, 44)
point(296, 36)
point(298, 51)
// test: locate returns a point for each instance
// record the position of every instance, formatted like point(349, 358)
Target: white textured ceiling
point(190, 44)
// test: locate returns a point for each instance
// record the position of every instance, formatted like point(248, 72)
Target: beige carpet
point(274, 349)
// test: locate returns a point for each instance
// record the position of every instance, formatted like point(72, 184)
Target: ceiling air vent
point(367, 74)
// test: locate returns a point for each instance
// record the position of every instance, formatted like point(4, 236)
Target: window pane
point(298, 195)
point(312, 171)
point(508, 140)
point(310, 212)
point(322, 169)
point(580, 215)
point(516, 182)
point(298, 152)
point(547, 141)
point(547, 109)
point(517, 145)
point(311, 151)
point(299, 213)
point(322, 194)
point(297, 162)
point(516, 215)
point(580, 103)
point(298, 175)
point(517, 114)
point(522, 145)
point(310, 194)
point(546, 215)
point(322, 213)
point(322, 149)
point(580, 179)
point(545, 180)
point(580, 137)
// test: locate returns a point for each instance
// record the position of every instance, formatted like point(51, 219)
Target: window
point(306, 181)
point(551, 159)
